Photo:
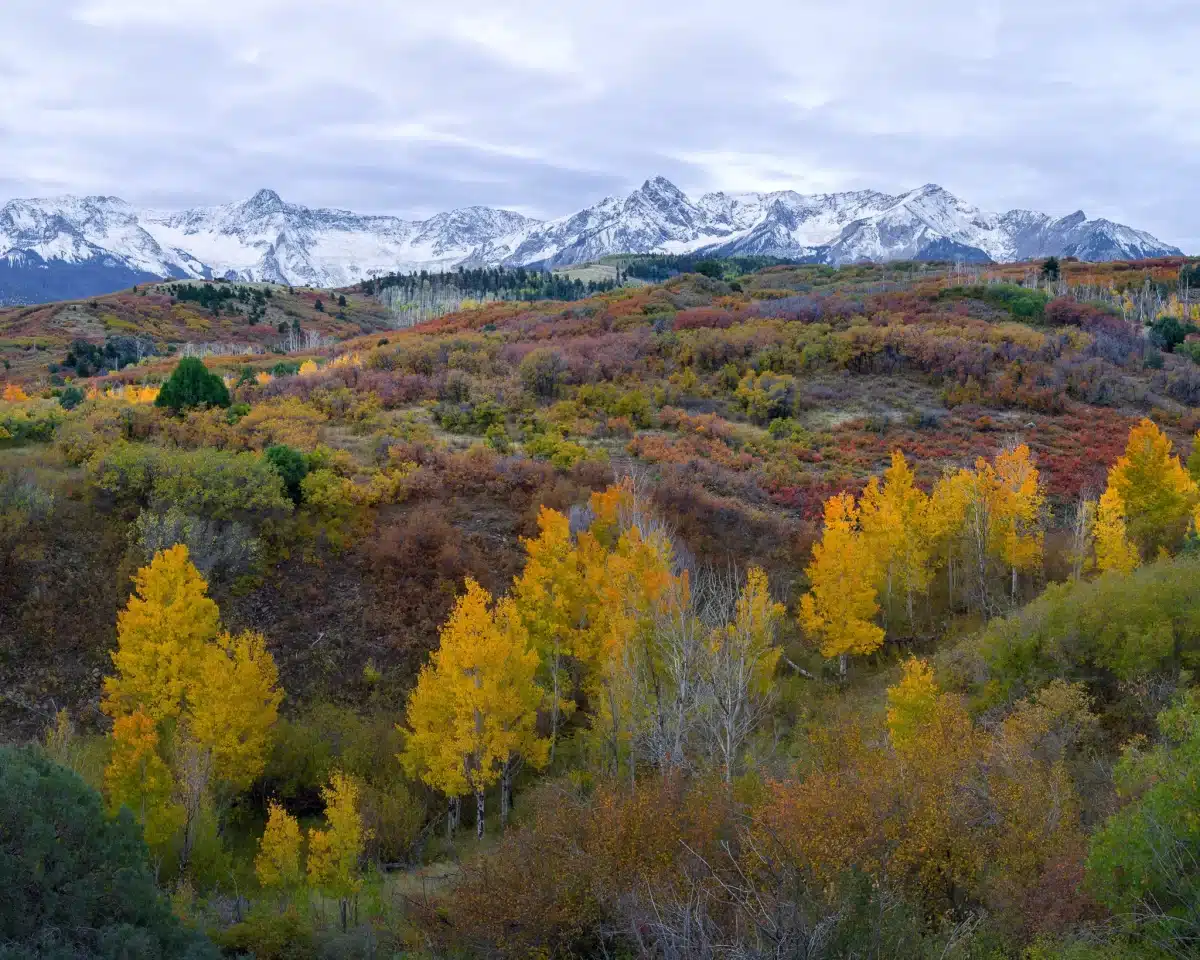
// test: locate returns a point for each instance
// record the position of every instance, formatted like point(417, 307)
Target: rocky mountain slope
point(80, 246)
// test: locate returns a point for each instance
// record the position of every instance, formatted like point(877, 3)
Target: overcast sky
point(544, 106)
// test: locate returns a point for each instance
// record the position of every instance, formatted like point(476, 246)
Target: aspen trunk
point(478, 814)
point(505, 796)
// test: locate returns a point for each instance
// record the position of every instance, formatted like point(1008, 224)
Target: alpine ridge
point(65, 247)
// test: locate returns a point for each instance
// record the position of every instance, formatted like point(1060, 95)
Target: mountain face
point(68, 247)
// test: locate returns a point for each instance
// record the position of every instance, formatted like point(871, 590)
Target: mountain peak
point(265, 200)
point(661, 187)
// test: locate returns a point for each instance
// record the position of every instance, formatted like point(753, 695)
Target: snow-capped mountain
point(80, 246)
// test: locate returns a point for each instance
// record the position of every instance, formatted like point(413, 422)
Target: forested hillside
point(802, 612)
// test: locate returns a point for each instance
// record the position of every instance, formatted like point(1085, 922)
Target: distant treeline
point(655, 268)
point(212, 295)
point(488, 283)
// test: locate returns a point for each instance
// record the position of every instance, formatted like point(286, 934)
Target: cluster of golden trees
point(981, 526)
point(673, 667)
point(893, 538)
point(193, 709)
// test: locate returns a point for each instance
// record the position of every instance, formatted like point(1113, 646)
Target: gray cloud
point(544, 106)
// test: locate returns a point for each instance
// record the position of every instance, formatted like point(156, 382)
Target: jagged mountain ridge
point(79, 246)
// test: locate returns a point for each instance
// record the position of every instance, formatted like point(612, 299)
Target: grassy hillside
point(340, 502)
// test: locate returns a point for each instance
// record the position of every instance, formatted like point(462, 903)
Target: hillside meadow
point(779, 612)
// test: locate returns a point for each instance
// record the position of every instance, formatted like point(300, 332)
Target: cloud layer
point(544, 106)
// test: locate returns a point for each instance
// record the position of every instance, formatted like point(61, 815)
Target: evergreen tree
point(191, 385)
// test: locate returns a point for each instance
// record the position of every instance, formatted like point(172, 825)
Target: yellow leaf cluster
point(277, 864)
point(475, 704)
point(333, 853)
point(1151, 493)
point(138, 778)
point(842, 600)
point(13, 394)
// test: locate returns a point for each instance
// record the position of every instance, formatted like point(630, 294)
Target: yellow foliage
point(475, 704)
point(912, 703)
point(235, 706)
point(1113, 549)
point(13, 394)
point(161, 636)
point(333, 853)
point(307, 367)
point(278, 861)
point(262, 378)
point(137, 778)
point(842, 599)
point(896, 529)
point(351, 359)
point(1155, 492)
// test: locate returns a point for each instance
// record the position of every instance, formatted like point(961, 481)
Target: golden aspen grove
point(751, 610)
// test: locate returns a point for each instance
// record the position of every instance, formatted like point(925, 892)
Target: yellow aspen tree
point(1156, 493)
point(894, 517)
point(475, 703)
point(912, 704)
point(137, 778)
point(334, 853)
point(740, 667)
point(1113, 549)
point(235, 707)
point(277, 864)
point(842, 600)
point(161, 634)
point(1017, 535)
point(948, 510)
point(633, 582)
point(551, 603)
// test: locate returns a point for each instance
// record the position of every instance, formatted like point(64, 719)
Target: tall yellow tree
point(161, 637)
point(552, 602)
point(1113, 549)
point(1017, 536)
point(277, 864)
point(894, 517)
point(474, 708)
point(1155, 492)
point(212, 699)
point(334, 853)
point(842, 601)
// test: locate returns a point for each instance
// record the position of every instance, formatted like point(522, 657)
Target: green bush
point(205, 482)
point(1142, 863)
point(75, 882)
point(291, 465)
point(1128, 626)
point(270, 936)
point(70, 398)
point(191, 385)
